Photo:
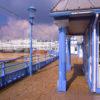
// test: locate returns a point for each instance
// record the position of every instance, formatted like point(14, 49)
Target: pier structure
point(79, 17)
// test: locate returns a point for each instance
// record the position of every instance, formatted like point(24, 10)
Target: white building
point(22, 44)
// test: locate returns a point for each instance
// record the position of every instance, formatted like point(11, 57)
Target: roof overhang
point(74, 12)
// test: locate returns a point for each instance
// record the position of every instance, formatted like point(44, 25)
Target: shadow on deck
point(77, 71)
point(42, 86)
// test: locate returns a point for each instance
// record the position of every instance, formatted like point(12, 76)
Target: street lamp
point(31, 11)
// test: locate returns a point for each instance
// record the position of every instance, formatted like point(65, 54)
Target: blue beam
point(68, 54)
point(73, 12)
point(61, 83)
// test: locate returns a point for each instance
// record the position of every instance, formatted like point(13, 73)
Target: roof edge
point(74, 12)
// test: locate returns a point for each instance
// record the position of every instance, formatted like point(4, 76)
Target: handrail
point(39, 59)
point(8, 60)
point(11, 76)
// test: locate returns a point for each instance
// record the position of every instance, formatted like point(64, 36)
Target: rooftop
point(69, 5)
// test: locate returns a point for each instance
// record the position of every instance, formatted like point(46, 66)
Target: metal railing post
point(39, 61)
point(3, 73)
point(36, 62)
point(25, 62)
point(45, 58)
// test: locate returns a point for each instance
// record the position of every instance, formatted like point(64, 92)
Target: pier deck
point(42, 85)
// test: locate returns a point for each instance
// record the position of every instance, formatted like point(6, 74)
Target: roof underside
point(78, 12)
point(68, 5)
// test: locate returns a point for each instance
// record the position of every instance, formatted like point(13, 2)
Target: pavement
point(42, 85)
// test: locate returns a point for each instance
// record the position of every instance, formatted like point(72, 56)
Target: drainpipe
point(94, 54)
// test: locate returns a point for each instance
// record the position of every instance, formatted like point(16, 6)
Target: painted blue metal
point(20, 73)
point(89, 58)
point(93, 60)
point(70, 13)
point(61, 83)
point(68, 66)
point(31, 51)
point(3, 69)
point(98, 90)
point(94, 48)
point(97, 54)
point(32, 11)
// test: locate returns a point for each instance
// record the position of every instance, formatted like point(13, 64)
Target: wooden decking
point(42, 86)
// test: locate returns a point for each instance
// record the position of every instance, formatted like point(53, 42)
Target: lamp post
point(31, 11)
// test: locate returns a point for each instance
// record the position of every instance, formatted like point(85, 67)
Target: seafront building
point(20, 44)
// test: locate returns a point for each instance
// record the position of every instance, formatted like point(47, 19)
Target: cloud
point(20, 8)
point(16, 29)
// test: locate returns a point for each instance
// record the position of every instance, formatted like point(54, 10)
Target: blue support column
point(68, 54)
point(31, 51)
point(94, 60)
point(61, 84)
point(94, 57)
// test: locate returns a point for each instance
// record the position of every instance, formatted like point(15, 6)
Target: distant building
point(20, 44)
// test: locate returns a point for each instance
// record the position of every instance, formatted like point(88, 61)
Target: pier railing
point(12, 70)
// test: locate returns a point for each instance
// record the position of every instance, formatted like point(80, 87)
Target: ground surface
point(42, 86)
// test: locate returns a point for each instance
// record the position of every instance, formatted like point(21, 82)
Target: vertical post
point(68, 54)
point(31, 10)
point(25, 62)
point(31, 50)
point(61, 83)
point(39, 61)
point(3, 73)
point(94, 66)
point(94, 60)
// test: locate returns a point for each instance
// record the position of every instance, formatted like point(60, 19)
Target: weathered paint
point(61, 83)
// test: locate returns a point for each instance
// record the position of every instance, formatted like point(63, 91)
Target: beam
point(61, 83)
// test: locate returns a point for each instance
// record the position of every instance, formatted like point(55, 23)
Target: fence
point(17, 68)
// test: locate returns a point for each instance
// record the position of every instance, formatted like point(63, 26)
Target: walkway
point(42, 86)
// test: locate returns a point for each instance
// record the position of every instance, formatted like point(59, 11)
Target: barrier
point(10, 77)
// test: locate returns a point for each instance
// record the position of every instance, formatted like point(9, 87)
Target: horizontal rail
point(8, 60)
point(12, 76)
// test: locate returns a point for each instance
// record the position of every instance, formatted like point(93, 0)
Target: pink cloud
point(16, 29)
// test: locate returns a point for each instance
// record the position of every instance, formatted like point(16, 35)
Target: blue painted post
point(3, 73)
point(39, 61)
point(31, 50)
point(3, 69)
point(61, 83)
point(31, 10)
point(94, 67)
point(68, 54)
point(94, 60)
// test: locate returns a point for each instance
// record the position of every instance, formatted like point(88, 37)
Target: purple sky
point(12, 27)
point(20, 8)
